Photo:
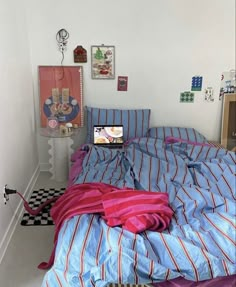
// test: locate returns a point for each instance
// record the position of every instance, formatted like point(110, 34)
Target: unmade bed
point(190, 243)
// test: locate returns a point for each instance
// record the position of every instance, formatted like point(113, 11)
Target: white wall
point(160, 45)
point(18, 146)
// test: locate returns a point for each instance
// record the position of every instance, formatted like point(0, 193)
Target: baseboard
point(17, 215)
point(45, 166)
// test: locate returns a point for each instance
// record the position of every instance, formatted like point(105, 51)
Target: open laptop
point(108, 136)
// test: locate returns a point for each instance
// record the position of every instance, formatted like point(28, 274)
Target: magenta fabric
point(229, 281)
point(137, 211)
point(87, 198)
point(185, 133)
point(77, 159)
point(171, 140)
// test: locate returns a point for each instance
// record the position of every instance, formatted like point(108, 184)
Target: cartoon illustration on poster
point(61, 94)
point(103, 62)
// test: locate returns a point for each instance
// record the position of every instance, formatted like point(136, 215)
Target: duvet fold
point(134, 210)
point(137, 211)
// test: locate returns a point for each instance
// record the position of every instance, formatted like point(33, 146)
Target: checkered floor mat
point(37, 198)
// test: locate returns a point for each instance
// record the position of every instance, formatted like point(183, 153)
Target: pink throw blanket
point(134, 210)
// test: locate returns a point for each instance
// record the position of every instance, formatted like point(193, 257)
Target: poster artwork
point(122, 83)
point(61, 95)
point(103, 62)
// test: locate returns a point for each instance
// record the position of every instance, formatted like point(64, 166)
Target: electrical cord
point(62, 36)
point(26, 205)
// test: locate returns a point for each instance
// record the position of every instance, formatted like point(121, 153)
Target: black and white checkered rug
point(37, 198)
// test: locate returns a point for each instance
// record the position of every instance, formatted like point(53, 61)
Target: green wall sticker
point(186, 97)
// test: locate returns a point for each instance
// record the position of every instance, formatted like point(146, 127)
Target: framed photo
point(61, 94)
point(103, 62)
point(228, 129)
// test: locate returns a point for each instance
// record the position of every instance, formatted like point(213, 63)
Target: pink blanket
point(134, 210)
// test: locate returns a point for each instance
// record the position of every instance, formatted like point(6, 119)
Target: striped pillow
point(135, 122)
point(188, 134)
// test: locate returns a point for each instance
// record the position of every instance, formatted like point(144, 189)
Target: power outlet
point(6, 192)
point(5, 196)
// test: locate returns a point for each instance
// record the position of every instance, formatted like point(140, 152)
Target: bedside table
point(60, 151)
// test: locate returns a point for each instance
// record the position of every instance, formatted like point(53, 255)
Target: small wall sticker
point(209, 94)
point(80, 55)
point(122, 84)
point(187, 97)
point(196, 83)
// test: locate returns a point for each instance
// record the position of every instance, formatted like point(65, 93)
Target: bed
point(197, 245)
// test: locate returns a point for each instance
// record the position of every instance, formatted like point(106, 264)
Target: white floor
point(29, 247)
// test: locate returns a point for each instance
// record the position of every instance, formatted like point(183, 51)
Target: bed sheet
point(200, 241)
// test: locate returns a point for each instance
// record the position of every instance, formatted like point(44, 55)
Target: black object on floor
point(37, 198)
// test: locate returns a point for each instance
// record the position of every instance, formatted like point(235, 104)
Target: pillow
point(189, 134)
point(135, 122)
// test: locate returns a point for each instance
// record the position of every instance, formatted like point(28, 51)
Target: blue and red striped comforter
point(199, 243)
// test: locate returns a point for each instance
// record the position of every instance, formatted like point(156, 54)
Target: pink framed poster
point(122, 83)
point(61, 94)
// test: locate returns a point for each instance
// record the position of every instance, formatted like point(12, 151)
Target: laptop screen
point(105, 135)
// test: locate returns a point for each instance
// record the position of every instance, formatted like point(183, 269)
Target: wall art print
point(61, 94)
point(122, 83)
point(103, 62)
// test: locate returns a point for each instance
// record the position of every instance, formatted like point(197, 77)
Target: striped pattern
point(135, 122)
point(188, 134)
point(126, 285)
point(200, 241)
point(215, 144)
point(133, 210)
point(137, 211)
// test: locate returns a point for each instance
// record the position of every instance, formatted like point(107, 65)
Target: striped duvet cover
point(198, 245)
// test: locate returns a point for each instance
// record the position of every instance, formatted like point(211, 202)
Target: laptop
point(108, 136)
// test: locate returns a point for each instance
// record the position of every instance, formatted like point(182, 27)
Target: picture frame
point(61, 94)
point(228, 128)
point(103, 62)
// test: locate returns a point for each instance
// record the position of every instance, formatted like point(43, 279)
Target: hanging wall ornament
point(80, 55)
point(62, 36)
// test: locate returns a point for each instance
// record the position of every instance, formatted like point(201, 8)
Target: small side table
point(60, 152)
